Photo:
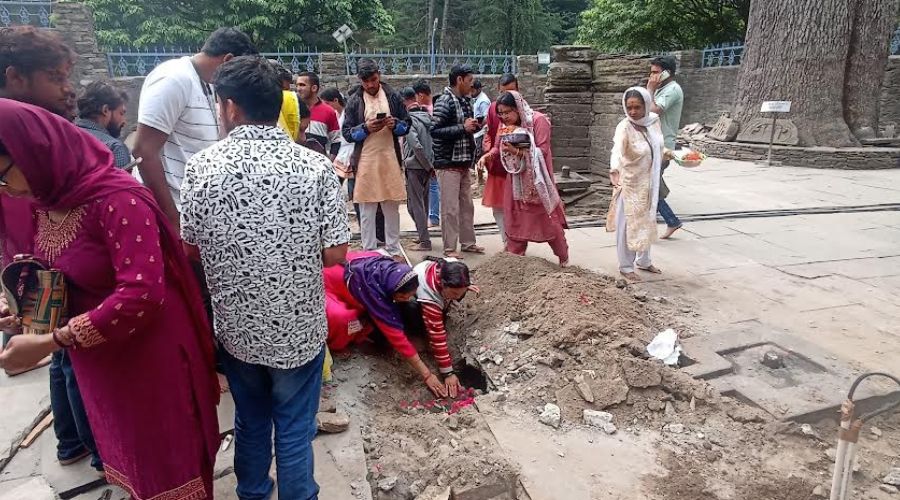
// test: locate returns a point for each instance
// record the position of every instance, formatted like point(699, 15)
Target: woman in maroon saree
point(138, 337)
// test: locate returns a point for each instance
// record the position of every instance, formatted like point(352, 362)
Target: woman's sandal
point(473, 249)
point(651, 269)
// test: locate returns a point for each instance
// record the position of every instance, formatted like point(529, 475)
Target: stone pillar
point(75, 24)
point(688, 59)
point(613, 74)
point(333, 70)
point(568, 98)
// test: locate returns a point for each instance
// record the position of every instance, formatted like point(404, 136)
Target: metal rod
point(772, 139)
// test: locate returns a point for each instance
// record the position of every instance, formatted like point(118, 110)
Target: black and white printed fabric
point(261, 209)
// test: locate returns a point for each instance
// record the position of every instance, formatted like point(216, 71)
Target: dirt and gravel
point(539, 336)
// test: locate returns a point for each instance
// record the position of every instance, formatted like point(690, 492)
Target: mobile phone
point(664, 75)
point(381, 116)
point(480, 120)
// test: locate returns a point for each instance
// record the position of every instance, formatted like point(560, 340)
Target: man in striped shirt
point(323, 122)
point(177, 115)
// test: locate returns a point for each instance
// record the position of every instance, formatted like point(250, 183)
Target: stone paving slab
point(812, 387)
point(67, 481)
point(26, 400)
point(33, 489)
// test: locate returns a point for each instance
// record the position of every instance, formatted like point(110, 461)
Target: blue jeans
point(70, 421)
point(289, 399)
point(667, 214)
point(434, 202)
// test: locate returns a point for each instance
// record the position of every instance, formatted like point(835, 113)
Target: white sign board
point(342, 34)
point(543, 58)
point(776, 107)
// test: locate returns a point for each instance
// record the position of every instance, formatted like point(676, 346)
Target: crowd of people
point(226, 248)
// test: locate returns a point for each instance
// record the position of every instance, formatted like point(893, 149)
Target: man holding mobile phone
point(374, 119)
point(668, 101)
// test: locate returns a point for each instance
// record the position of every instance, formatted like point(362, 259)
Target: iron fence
point(140, 62)
point(723, 54)
point(895, 43)
point(297, 62)
point(424, 63)
point(25, 12)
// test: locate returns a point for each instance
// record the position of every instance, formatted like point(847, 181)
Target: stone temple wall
point(75, 24)
point(890, 94)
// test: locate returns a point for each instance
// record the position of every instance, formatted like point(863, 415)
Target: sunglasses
point(3, 182)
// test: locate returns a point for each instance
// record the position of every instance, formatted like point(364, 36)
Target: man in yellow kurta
point(374, 118)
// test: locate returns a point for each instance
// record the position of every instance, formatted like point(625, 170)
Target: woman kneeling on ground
point(366, 294)
point(635, 165)
point(532, 209)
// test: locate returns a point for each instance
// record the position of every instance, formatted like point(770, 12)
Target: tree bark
point(873, 26)
point(429, 19)
point(444, 22)
point(825, 56)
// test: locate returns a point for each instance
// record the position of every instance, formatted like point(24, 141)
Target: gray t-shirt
point(671, 99)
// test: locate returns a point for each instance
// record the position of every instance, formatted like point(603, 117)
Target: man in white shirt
point(265, 215)
point(177, 115)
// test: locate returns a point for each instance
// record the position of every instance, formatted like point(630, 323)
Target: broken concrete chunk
point(601, 420)
point(674, 428)
point(387, 484)
point(435, 493)
point(876, 432)
point(332, 423)
point(890, 490)
point(819, 491)
point(893, 477)
point(583, 388)
point(551, 415)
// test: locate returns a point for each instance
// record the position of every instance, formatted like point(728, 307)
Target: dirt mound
point(569, 337)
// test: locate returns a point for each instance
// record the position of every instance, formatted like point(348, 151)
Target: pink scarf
point(531, 182)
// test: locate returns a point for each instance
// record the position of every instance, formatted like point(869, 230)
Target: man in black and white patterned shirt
point(265, 215)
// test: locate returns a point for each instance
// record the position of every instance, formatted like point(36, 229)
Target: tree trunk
point(444, 22)
point(429, 19)
point(825, 56)
point(873, 25)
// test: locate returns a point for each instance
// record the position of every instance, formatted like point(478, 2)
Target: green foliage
point(272, 24)
point(521, 26)
point(658, 25)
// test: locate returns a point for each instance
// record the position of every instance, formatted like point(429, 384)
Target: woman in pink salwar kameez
point(532, 209)
point(138, 337)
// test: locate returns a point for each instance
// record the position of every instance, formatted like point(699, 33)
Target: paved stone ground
point(831, 280)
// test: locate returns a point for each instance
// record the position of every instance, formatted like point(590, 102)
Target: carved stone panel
point(759, 130)
point(725, 129)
